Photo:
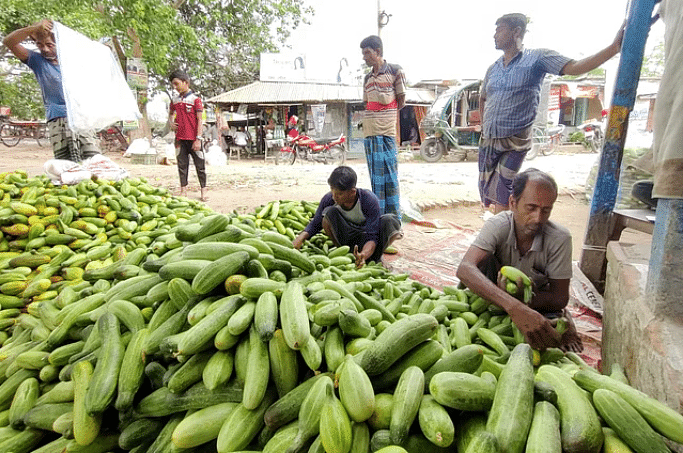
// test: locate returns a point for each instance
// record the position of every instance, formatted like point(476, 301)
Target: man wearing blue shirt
point(351, 216)
point(509, 99)
point(65, 143)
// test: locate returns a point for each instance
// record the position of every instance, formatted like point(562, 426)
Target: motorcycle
point(593, 135)
point(328, 150)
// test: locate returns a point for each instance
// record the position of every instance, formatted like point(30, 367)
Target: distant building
point(270, 104)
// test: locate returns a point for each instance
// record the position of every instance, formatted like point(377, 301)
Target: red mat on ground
point(430, 253)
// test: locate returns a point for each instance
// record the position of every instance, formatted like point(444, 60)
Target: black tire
point(432, 150)
point(335, 156)
point(10, 135)
point(285, 157)
point(42, 137)
point(597, 143)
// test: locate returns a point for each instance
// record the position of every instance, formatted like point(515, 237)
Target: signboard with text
point(283, 66)
point(136, 73)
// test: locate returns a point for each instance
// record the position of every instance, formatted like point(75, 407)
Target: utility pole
point(379, 18)
point(382, 18)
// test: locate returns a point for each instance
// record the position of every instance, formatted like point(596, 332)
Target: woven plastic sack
point(95, 89)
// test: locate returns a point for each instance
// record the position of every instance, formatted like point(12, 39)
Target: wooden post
point(593, 257)
point(144, 130)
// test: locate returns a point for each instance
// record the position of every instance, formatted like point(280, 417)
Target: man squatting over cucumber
point(525, 238)
point(351, 216)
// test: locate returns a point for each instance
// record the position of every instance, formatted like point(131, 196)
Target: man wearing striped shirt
point(384, 95)
point(509, 99)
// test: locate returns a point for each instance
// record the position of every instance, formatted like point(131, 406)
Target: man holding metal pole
point(509, 99)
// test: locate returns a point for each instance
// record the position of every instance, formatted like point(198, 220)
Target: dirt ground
point(251, 183)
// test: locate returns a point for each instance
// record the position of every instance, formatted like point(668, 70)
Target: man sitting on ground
point(351, 216)
point(525, 238)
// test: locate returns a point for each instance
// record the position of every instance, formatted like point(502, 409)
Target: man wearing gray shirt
point(525, 238)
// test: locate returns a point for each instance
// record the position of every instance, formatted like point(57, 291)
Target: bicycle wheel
point(553, 145)
point(533, 152)
point(537, 142)
point(10, 135)
point(285, 157)
point(42, 137)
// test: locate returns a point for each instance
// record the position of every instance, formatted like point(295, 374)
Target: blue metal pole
point(598, 231)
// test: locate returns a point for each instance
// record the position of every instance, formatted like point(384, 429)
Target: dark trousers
point(350, 234)
point(183, 153)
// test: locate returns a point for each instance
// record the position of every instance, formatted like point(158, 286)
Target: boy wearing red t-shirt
point(186, 120)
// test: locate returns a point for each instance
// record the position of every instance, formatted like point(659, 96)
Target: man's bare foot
point(183, 192)
point(390, 249)
point(571, 342)
point(204, 194)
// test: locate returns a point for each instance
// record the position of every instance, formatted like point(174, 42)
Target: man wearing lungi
point(509, 99)
point(351, 216)
point(384, 95)
point(66, 144)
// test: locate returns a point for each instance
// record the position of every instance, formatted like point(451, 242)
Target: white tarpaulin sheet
point(95, 88)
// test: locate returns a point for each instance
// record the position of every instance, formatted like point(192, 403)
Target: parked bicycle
point(545, 140)
point(112, 139)
point(12, 132)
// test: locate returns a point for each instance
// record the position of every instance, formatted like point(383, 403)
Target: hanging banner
point(136, 73)
point(318, 113)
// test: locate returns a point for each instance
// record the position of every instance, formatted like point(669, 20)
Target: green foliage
point(217, 41)
point(597, 72)
point(578, 137)
point(653, 64)
point(22, 94)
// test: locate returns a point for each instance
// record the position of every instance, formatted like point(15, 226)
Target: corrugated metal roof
point(267, 92)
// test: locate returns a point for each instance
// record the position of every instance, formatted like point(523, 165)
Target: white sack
point(67, 172)
point(215, 156)
point(95, 88)
point(138, 146)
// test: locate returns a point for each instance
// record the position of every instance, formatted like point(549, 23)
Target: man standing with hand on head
point(66, 144)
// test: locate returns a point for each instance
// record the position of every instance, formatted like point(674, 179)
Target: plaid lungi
point(382, 157)
point(347, 233)
point(499, 161)
point(70, 146)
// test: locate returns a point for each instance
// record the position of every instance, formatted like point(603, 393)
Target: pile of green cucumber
point(210, 333)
